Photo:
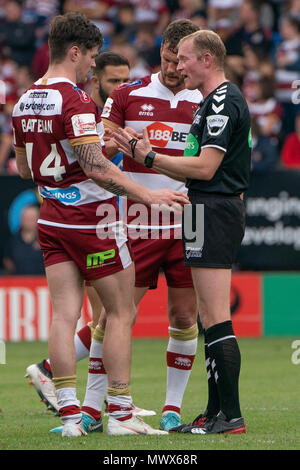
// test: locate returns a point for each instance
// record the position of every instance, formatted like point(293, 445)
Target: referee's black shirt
point(223, 121)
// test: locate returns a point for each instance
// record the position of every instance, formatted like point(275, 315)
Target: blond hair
point(206, 40)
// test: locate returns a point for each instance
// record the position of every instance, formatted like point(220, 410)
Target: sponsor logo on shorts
point(193, 253)
point(97, 260)
point(64, 195)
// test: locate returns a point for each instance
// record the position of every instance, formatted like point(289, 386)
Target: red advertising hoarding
point(25, 309)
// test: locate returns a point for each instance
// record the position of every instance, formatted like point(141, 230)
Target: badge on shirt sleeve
point(216, 124)
point(85, 98)
point(107, 108)
point(84, 124)
point(191, 146)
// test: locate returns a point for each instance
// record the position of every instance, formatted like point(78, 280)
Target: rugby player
point(57, 143)
point(111, 70)
point(161, 104)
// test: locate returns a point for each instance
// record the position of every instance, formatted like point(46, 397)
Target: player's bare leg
point(40, 374)
point(181, 350)
point(117, 294)
point(96, 304)
point(96, 389)
point(66, 290)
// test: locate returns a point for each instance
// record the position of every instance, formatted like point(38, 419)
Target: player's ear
point(95, 81)
point(208, 59)
point(74, 53)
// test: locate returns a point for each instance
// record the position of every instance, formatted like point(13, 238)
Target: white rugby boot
point(134, 425)
point(71, 429)
point(41, 379)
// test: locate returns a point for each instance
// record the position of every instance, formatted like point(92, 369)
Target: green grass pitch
point(269, 395)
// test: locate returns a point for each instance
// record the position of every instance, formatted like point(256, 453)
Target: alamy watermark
point(2, 352)
point(296, 93)
point(296, 354)
point(2, 92)
point(156, 222)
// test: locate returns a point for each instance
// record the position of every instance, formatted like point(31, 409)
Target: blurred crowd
point(262, 40)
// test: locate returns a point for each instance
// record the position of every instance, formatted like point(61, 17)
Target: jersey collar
point(52, 81)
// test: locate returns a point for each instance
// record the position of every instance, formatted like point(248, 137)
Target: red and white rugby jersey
point(147, 103)
point(285, 76)
point(263, 110)
point(49, 120)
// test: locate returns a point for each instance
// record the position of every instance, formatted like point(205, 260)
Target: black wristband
point(149, 159)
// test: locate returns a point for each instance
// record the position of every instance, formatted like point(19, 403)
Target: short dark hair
point(72, 29)
point(109, 58)
point(177, 30)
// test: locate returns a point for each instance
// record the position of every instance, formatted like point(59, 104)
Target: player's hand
point(138, 149)
point(168, 199)
point(108, 134)
point(133, 133)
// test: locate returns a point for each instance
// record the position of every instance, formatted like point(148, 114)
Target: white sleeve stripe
point(214, 146)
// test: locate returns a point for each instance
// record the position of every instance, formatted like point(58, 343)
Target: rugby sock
point(82, 343)
point(181, 353)
point(226, 363)
point(97, 378)
point(119, 403)
point(46, 364)
point(69, 406)
point(213, 404)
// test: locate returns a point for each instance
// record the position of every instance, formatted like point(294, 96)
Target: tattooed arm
point(99, 168)
point(110, 177)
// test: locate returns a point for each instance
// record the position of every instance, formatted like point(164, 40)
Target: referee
point(216, 165)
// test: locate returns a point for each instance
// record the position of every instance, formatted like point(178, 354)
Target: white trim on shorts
point(85, 227)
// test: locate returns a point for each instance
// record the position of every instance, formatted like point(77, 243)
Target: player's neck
point(60, 70)
point(174, 90)
point(212, 83)
point(95, 96)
